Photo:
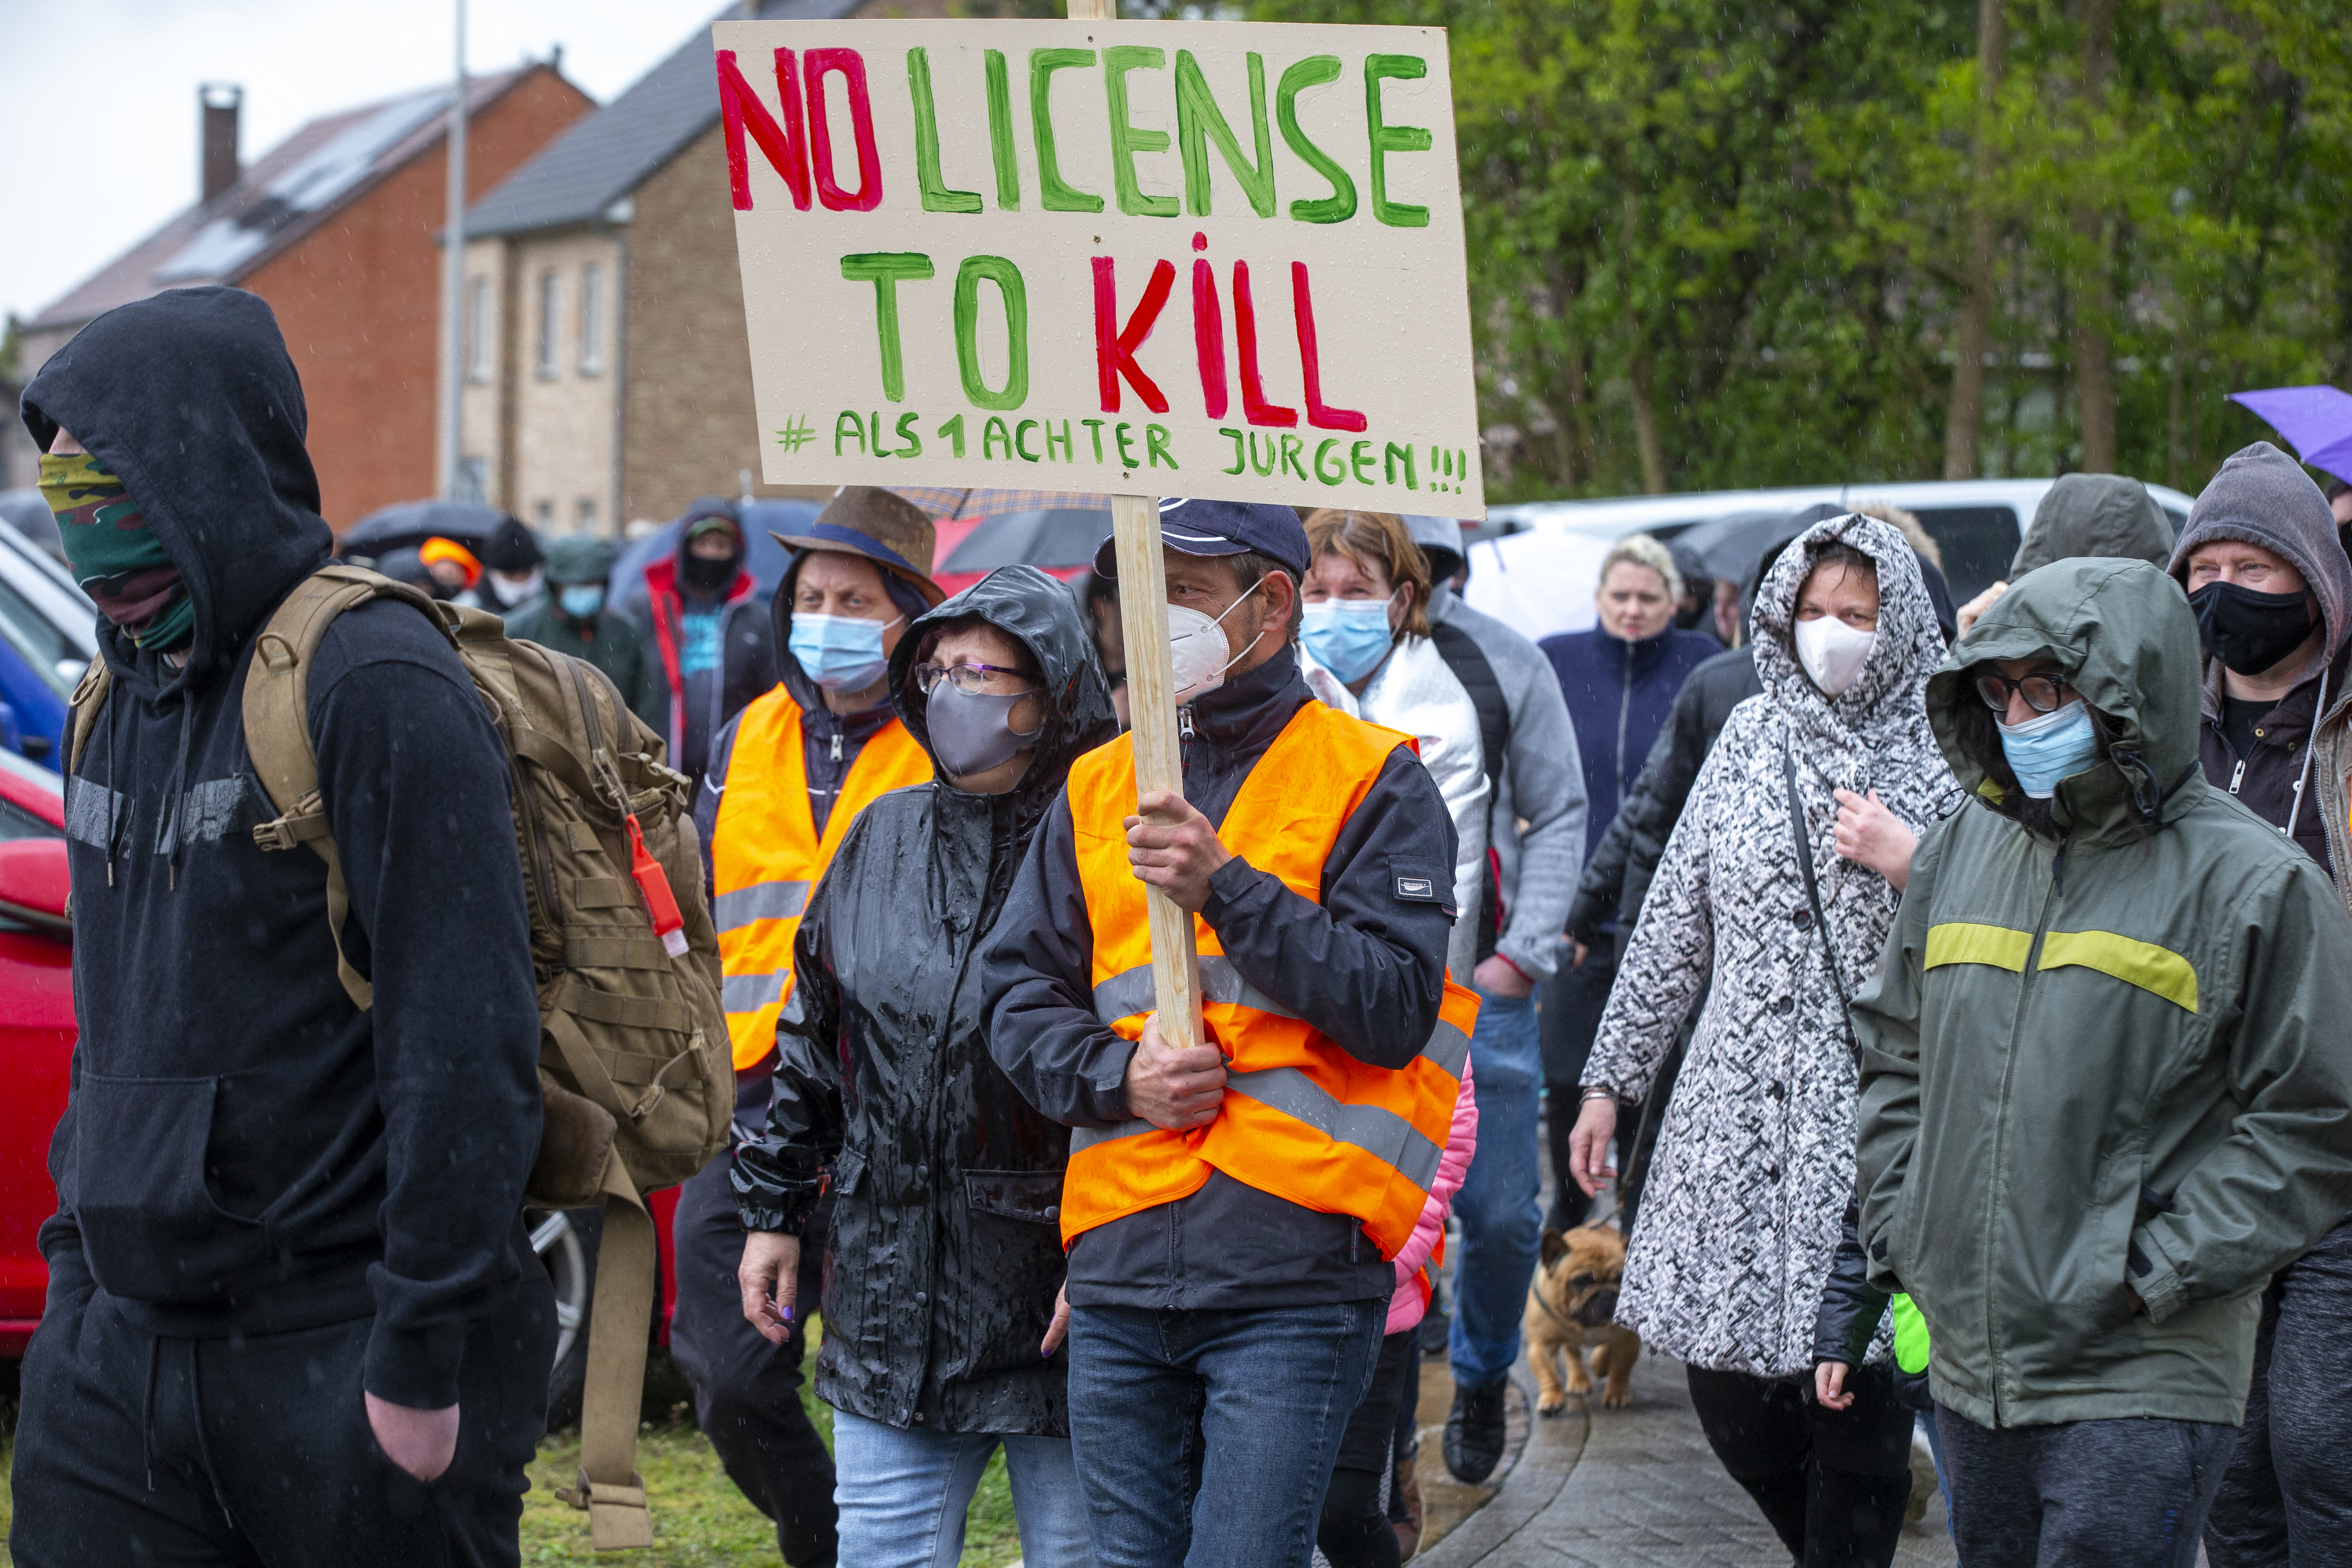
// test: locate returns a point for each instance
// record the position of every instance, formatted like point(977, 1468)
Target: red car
point(36, 1031)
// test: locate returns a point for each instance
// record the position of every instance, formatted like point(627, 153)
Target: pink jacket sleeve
point(1406, 1306)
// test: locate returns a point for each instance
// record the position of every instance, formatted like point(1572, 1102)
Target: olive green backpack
point(633, 1055)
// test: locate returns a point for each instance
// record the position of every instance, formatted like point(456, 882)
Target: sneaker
point(1473, 1432)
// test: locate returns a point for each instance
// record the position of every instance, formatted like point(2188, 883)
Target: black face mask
point(708, 575)
point(2249, 631)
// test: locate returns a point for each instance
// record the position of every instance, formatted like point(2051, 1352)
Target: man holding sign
point(1230, 1208)
point(1125, 257)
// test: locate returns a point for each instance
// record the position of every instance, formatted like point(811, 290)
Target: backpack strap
point(89, 699)
point(278, 728)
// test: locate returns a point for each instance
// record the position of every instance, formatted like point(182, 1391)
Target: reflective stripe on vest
point(766, 856)
point(1301, 1119)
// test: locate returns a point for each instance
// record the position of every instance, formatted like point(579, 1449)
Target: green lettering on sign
point(1015, 297)
point(952, 434)
point(1340, 205)
point(885, 270)
point(1199, 120)
point(936, 198)
point(1000, 132)
point(1126, 141)
point(1056, 195)
point(1338, 473)
point(1387, 138)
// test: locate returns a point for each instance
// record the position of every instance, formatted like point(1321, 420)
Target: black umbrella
point(1063, 536)
point(412, 522)
point(1732, 545)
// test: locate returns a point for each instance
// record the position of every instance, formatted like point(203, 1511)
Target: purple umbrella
point(2315, 420)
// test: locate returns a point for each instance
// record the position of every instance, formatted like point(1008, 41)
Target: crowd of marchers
point(1949, 997)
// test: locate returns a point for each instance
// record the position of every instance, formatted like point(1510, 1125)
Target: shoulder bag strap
point(1804, 843)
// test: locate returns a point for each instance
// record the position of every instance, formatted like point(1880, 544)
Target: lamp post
point(453, 286)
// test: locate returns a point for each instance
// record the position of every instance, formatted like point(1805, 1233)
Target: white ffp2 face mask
point(1197, 655)
point(1833, 652)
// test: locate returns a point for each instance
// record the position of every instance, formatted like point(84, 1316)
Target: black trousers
point(2287, 1495)
point(255, 1452)
point(747, 1390)
point(1568, 1017)
point(1355, 1531)
point(1832, 1483)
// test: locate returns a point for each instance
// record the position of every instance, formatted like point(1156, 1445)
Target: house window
point(473, 480)
point(547, 323)
point(587, 524)
point(544, 513)
point(477, 330)
point(592, 319)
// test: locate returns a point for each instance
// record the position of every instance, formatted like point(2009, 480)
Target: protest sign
point(1205, 258)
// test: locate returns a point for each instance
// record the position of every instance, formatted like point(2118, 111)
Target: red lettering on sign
point(1209, 338)
point(1115, 347)
point(786, 149)
point(851, 66)
point(1253, 404)
point(1303, 308)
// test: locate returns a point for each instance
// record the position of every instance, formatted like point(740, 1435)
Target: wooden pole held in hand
point(1152, 714)
point(1159, 759)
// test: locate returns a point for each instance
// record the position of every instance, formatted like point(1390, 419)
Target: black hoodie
point(945, 1251)
point(244, 1151)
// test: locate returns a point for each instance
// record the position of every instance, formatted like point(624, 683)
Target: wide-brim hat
point(889, 531)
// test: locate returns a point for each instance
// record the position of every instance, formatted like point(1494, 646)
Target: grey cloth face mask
point(972, 734)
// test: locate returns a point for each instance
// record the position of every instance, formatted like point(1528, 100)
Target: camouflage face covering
point(115, 556)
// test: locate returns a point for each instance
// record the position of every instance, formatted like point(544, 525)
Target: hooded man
point(788, 776)
point(2273, 594)
point(2105, 1083)
point(294, 1316)
point(2084, 514)
point(1531, 758)
point(704, 618)
point(572, 617)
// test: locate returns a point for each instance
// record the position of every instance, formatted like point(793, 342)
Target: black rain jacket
point(1365, 965)
point(244, 1151)
point(946, 1249)
point(1852, 1308)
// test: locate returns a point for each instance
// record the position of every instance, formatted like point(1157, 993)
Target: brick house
point(608, 375)
point(338, 228)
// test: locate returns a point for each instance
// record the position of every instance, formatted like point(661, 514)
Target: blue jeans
point(1241, 1410)
point(1500, 1206)
point(903, 1494)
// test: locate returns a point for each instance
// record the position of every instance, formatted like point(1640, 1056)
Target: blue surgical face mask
point(1348, 636)
point(2049, 747)
point(841, 653)
point(581, 601)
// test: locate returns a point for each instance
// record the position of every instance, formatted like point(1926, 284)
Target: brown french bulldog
point(1568, 1307)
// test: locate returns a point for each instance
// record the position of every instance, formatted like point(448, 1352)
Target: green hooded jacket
point(2117, 1058)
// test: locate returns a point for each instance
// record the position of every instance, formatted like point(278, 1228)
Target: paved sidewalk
point(1636, 1488)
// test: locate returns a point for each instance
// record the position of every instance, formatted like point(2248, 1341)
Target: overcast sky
point(98, 98)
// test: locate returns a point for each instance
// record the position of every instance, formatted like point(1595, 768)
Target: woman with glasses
point(1783, 876)
point(940, 1342)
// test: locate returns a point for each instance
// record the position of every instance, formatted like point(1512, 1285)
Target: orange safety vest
point(1301, 1119)
point(766, 856)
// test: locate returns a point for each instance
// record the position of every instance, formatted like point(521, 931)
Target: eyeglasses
point(2042, 692)
point(971, 679)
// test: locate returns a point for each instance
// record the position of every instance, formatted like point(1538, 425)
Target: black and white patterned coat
point(1755, 1159)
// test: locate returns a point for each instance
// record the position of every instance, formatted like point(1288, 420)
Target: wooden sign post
point(1151, 715)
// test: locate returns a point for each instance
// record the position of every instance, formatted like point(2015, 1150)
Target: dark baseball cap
point(1222, 528)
